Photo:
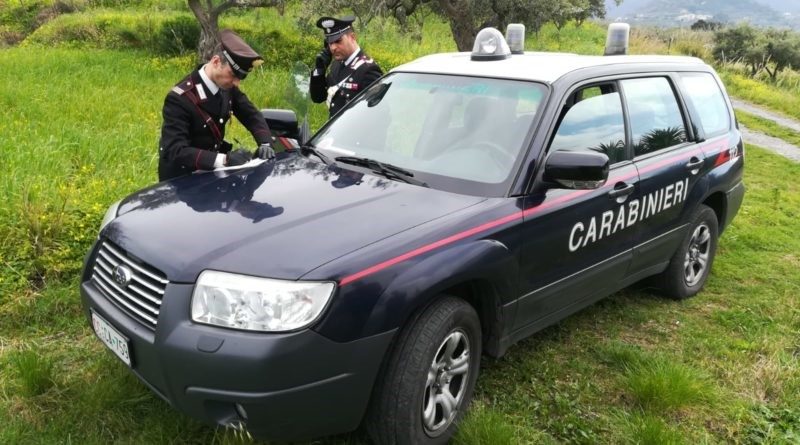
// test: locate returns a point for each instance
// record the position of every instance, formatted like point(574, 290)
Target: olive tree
point(740, 44)
point(467, 17)
point(207, 13)
point(782, 48)
point(771, 50)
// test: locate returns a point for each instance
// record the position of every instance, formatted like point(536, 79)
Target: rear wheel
point(690, 265)
point(428, 380)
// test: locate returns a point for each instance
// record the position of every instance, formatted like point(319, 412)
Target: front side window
point(457, 133)
point(592, 120)
point(656, 120)
point(704, 95)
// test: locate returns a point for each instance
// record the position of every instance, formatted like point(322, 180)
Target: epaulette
point(361, 61)
point(182, 87)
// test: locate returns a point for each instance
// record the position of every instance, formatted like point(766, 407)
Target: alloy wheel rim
point(695, 264)
point(446, 383)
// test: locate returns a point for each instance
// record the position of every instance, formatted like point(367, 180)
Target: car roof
point(538, 66)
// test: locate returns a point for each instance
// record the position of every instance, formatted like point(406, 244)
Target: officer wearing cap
point(198, 107)
point(352, 70)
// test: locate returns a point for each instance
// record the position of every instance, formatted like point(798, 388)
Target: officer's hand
point(323, 59)
point(238, 157)
point(264, 151)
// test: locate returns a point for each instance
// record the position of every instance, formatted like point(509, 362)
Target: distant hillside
point(763, 13)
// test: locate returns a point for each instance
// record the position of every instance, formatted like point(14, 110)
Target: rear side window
point(705, 97)
point(656, 119)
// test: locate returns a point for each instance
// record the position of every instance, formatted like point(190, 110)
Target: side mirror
point(282, 122)
point(580, 170)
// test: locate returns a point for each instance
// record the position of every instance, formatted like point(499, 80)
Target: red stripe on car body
point(491, 224)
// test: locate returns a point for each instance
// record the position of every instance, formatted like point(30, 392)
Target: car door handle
point(621, 189)
point(694, 165)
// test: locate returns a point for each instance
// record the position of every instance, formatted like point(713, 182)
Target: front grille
point(141, 297)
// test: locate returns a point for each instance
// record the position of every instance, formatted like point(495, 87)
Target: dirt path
point(777, 145)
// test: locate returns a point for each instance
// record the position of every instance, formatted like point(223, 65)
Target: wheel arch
point(482, 273)
point(718, 203)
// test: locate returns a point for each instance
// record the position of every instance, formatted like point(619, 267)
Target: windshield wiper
point(309, 148)
point(388, 170)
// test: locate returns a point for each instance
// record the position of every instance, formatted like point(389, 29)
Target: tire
point(409, 403)
point(689, 267)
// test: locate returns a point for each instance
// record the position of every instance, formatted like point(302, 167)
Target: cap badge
point(327, 24)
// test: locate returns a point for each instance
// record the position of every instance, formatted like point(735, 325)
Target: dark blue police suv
point(461, 203)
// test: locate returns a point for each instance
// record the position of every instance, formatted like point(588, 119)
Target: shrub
point(177, 35)
point(168, 34)
point(22, 16)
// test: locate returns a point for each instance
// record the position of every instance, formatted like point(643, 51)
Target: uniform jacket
point(188, 142)
point(347, 80)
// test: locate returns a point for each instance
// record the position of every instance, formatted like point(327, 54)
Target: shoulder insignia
point(178, 90)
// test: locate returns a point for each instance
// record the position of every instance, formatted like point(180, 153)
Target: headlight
point(111, 213)
point(257, 304)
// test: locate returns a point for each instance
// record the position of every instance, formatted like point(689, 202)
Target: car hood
point(280, 219)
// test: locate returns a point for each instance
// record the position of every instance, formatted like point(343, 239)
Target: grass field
point(80, 130)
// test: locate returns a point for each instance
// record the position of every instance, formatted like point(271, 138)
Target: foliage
point(783, 51)
point(19, 18)
point(24, 17)
point(737, 44)
point(113, 29)
point(771, 50)
point(615, 150)
point(659, 138)
point(177, 35)
point(207, 14)
point(703, 25)
point(165, 34)
point(783, 99)
point(467, 17)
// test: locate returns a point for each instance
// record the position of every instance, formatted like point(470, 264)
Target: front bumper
point(286, 386)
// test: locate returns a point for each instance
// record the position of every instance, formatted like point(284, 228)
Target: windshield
point(461, 134)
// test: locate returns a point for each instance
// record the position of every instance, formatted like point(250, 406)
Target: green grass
point(33, 369)
point(485, 425)
point(81, 130)
point(768, 127)
point(775, 97)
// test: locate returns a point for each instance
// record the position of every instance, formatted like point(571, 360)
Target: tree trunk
point(460, 18)
point(207, 18)
point(207, 14)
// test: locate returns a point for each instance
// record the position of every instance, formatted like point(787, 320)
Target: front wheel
point(429, 378)
point(689, 267)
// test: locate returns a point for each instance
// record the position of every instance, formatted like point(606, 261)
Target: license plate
point(112, 338)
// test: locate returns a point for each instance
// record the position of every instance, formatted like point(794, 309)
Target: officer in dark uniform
point(352, 70)
point(198, 107)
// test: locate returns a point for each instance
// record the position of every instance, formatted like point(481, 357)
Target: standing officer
point(351, 72)
point(197, 108)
